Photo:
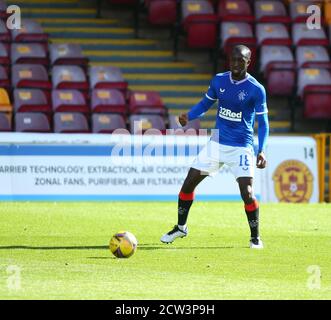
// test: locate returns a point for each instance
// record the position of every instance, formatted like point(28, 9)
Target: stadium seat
point(70, 122)
point(146, 102)
point(317, 101)
point(302, 36)
point(30, 31)
point(271, 11)
point(69, 77)
point(162, 12)
point(5, 105)
point(67, 54)
point(69, 101)
point(235, 11)
point(30, 76)
point(4, 80)
point(141, 123)
point(5, 121)
point(272, 34)
point(4, 32)
point(4, 55)
point(29, 53)
point(298, 11)
point(3, 10)
point(191, 128)
point(31, 100)
point(279, 69)
point(233, 33)
point(199, 22)
point(108, 100)
point(31, 122)
point(107, 78)
point(310, 77)
point(312, 57)
point(107, 123)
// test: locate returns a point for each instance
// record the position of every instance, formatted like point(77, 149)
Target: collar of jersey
point(240, 81)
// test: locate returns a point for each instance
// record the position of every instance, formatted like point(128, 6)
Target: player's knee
point(247, 194)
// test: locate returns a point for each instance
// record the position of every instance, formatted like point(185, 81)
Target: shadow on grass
point(143, 246)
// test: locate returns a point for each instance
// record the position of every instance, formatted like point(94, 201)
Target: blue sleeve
point(263, 130)
point(205, 104)
point(200, 108)
point(260, 101)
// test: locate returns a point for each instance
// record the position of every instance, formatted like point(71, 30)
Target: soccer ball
point(123, 244)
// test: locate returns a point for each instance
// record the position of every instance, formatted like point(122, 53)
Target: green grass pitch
point(60, 251)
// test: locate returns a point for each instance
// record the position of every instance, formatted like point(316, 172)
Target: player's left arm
point(263, 126)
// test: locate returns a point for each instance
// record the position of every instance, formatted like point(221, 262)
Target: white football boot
point(173, 234)
point(256, 243)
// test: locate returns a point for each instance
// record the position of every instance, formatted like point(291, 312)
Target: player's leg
point(251, 209)
point(185, 200)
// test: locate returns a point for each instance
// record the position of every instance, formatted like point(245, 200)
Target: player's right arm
point(200, 108)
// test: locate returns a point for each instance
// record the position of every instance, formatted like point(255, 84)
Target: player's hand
point(183, 119)
point(261, 160)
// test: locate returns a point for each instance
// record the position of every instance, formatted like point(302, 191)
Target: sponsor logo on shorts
point(227, 114)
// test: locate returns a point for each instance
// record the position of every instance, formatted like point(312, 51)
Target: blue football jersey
point(238, 103)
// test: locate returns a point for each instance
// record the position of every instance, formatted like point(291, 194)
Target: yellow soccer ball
point(123, 244)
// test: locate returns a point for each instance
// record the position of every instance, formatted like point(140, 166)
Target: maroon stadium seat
point(31, 122)
point(31, 100)
point(4, 32)
point(141, 123)
point(29, 53)
point(162, 12)
point(302, 36)
point(3, 10)
point(271, 11)
point(146, 102)
point(69, 77)
point(272, 34)
point(310, 77)
point(70, 122)
point(298, 10)
point(4, 80)
point(30, 76)
point(107, 123)
point(69, 101)
point(5, 121)
point(200, 23)
point(317, 102)
point(107, 78)
point(108, 100)
point(279, 69)
point(30, 31)
point(235, 10)
point(67, 54)
point(312, 57)
point(4, 55)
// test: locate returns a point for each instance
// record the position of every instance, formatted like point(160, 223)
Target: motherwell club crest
point(293, 182)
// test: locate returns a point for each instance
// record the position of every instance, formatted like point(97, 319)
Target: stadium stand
point(274, 30)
